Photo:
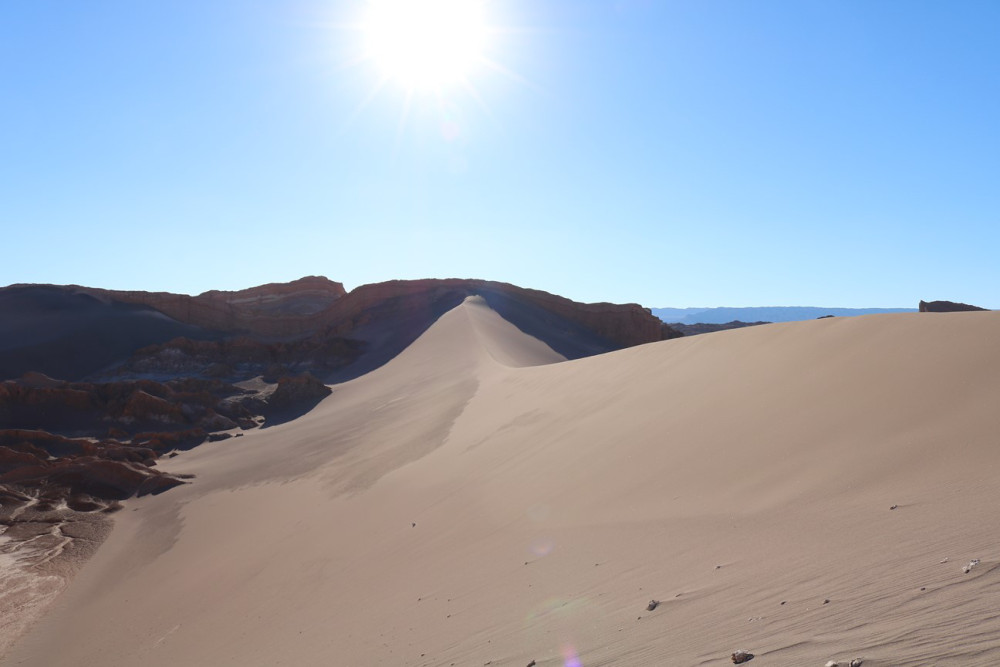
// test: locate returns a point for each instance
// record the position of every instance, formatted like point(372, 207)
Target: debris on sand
point(653, 604)
point(832, 663)
point(739, 657)
point(971, 564)
point(857, 662)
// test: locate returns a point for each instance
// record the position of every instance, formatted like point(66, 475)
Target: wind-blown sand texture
point(742, 478)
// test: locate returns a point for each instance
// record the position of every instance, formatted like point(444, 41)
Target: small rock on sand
point(739, 657)
point(832, 663)
point(971, 564)
point(857, 662)
point(653, 604)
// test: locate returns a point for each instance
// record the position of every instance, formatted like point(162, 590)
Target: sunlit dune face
point(426, 44)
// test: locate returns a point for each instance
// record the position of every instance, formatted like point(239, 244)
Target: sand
point(478, 501)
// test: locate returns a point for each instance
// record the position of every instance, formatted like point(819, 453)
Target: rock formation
point(67, 333)
point(240, 358)
point(696, 329)
point(99, 409)
point(945, 307)
point(292, 392)
point(277, 309)
point(312, 304)
point(108, 381)
point(310, 324)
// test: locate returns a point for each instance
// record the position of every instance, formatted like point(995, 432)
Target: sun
point(426, 44)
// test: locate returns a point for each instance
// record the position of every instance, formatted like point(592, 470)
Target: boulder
point(293, 392)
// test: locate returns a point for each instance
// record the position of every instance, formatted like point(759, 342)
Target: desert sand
point(477, 501)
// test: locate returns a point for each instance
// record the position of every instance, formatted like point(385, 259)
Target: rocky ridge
point(129, 377)
point(946, 307)
point(288, 309)
point(356, 332)
point(703, 328)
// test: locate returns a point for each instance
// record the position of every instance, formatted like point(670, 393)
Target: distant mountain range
point(762, 313)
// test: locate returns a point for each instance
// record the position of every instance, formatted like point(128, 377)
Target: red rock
point(275, 309)
point(311, 304)
point(11, 459)
point(110, 480)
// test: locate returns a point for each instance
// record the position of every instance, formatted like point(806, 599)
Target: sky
point(669, 153)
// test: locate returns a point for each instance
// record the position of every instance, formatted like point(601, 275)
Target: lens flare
point(542, 546)
point(570, 658)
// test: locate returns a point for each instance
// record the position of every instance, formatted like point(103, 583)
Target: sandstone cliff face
point(309, 305)
point(945, 307)
point(348, 334)
point(621, 325)
point(386, 317)
point(308, 325)
point(276, 310)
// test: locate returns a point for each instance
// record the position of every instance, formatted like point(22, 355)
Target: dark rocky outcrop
point(55, 493)
point(123, 407)
point(68, 333)
point(293, 397)
point(618, 325)
point(92, 476)
point(281, 310)
point(108, 381)
point(703, 328)
point(373, 323)
point(946, 307)
point(292, 392)
point(86, 474)
point(240, 358)
point(387, 317)
point(311, 324)
point(181, 412)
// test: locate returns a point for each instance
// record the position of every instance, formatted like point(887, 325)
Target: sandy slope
point(741, 478)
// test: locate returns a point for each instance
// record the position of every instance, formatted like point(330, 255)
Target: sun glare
point(426, 44)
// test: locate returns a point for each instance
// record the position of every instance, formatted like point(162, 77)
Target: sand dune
point(743, 479)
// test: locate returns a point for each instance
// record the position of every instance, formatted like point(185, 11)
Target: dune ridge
point(474, 502)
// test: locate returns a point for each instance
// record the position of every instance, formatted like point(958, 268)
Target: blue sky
point(698, 153)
